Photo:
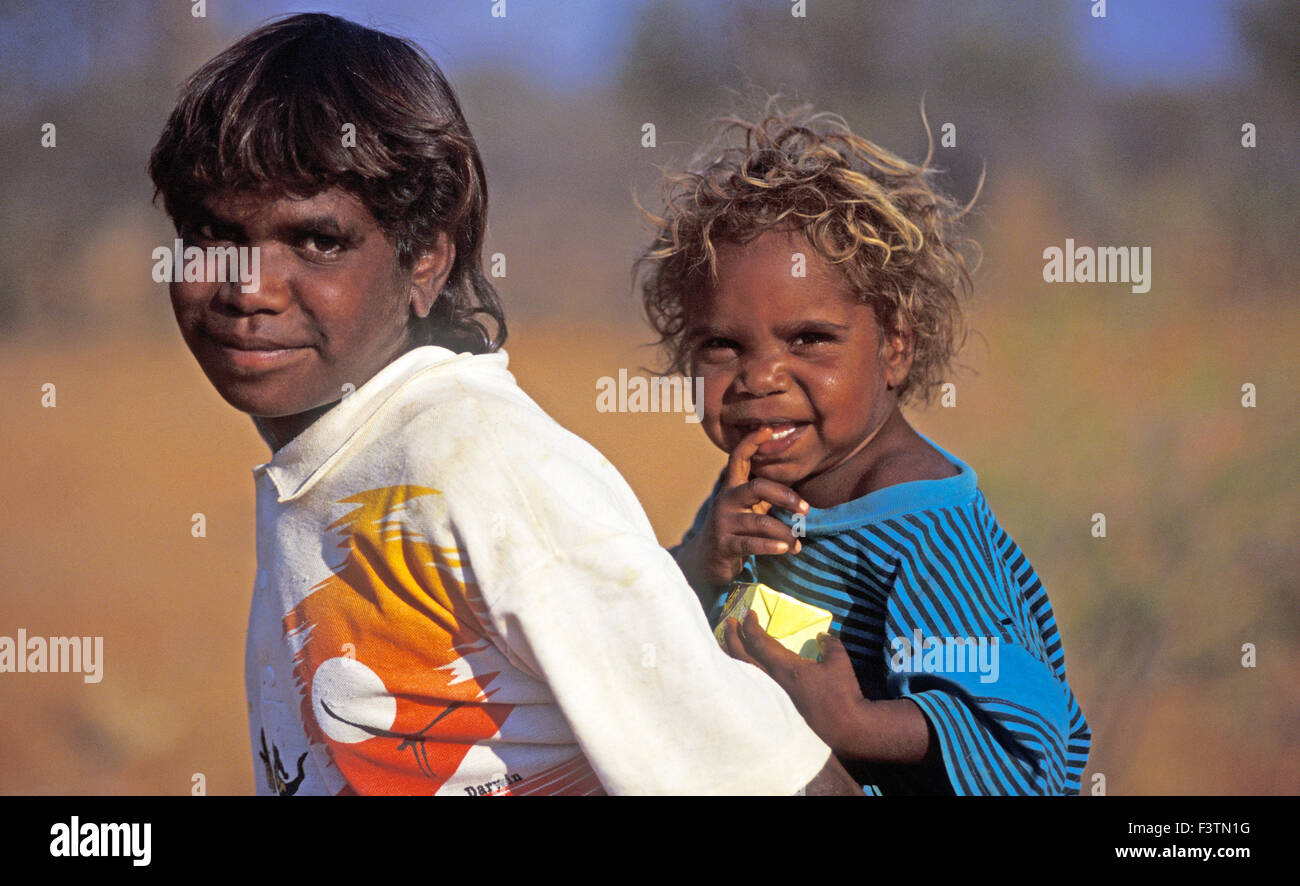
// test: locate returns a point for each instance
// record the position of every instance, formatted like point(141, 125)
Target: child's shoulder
point(914, 460)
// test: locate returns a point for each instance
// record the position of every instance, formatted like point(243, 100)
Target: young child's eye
point(717, 346)
point(715, 350)
point(206, 233)
point(812, 338)
point(321, 244)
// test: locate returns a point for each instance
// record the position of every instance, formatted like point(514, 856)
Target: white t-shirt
point(455, 595)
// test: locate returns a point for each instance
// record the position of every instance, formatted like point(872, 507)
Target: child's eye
point(715, 350)
point(811, 338)
point(716, 347)
point(207, 233)
point(321, 244)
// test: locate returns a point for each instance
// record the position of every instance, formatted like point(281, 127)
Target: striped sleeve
point(1000, 714)
point(1080, 737)
point(701, 516)
point(717, 595)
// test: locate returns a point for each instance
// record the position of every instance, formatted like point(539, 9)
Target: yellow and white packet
point(792, 623)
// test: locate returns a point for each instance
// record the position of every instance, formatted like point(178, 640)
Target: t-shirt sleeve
point(579, 594)
point(1035, 597)
point(1002, 718)
point(655, 703)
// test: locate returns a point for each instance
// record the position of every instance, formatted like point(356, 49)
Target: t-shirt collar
point(296, 465)
point(892, 501)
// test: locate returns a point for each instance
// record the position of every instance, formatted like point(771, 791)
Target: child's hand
point(825, 692)
point(738, 523)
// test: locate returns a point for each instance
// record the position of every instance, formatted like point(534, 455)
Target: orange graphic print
point(390, 651)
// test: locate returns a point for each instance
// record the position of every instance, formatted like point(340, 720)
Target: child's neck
point(280, 432)
point(895, 454)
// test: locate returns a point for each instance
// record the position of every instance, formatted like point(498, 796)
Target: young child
point(454, 594)
point(813, 281)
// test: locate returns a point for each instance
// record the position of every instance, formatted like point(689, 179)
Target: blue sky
point(568, 43)
point(1162, 41)
point(571, 43)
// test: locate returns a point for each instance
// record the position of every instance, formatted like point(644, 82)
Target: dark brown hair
point(267, 116)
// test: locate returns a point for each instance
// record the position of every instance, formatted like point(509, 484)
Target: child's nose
point(263, 284)
point(762, 374)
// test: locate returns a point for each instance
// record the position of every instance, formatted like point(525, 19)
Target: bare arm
point(893, 731)
point(827, 695)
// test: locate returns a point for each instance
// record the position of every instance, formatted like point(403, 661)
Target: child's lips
point(785, 434)
point(254, 354)
point(258, 359)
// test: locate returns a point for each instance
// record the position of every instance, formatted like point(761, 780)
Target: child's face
point(798, 353)
point(333, 307)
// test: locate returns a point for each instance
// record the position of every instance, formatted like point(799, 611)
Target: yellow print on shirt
point(386, 649)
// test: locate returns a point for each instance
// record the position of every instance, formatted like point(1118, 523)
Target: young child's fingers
point(778, 494)
point(744, 545)
point(759, 526)
point(743, 454)
point(735, 645)
point(758, 495)
point(834, 655)
point(770, 655)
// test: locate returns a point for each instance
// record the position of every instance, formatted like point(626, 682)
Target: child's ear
point(897, 351)
point(430, 272)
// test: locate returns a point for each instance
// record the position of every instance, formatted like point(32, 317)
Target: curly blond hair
point(871, 214)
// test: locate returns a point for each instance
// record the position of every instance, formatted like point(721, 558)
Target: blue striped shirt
point(934, 602)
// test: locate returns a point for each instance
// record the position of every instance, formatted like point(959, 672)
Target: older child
point(454, 594)
point(812, 280)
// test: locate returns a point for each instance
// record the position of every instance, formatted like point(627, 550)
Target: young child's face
point(800, 354)
point(333, 307)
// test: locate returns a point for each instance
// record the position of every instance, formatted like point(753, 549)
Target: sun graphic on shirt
point(387, 648)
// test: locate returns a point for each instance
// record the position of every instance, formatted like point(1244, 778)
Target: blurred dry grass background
point(1079, 398)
